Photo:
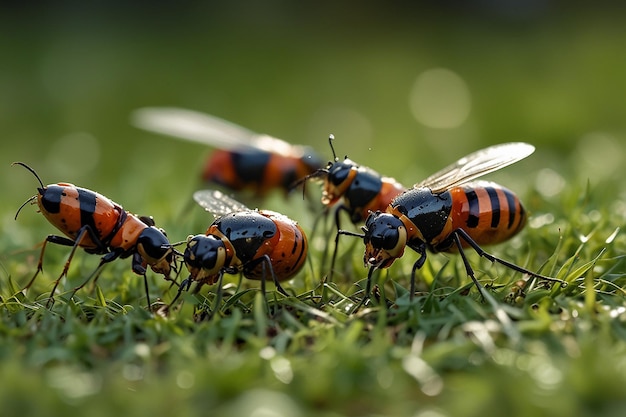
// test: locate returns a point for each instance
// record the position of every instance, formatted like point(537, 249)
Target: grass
point(540, 350)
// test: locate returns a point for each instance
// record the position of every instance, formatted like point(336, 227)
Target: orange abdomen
point(69, 208)
point(254, 170)
point(287, 249)
point(251, 235)
point(488, 212)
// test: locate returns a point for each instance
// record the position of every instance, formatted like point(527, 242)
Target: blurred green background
point(378, 76)
point(406, 87)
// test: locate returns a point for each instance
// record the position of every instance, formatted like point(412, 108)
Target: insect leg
point(339, 232)
point(279, 288)
point(96, 273)
point(138, 268)
point(468, 267)
point(145, 283)
point(108, 257)
point(184, 286)
point(460, 233)
point(86, 229)
point(59, 240)
point(368, 290)
point(421, 250)
point(148, 220)
point(176, 267)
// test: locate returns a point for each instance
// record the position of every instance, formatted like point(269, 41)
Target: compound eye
point(382, 230)
point(153, 244)
point(203, 252)
point(387, 239)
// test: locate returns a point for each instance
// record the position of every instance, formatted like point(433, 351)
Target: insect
point(243, 160)
point(354, 189)
point(258, 243)
point(448, 212)
point(100, 226)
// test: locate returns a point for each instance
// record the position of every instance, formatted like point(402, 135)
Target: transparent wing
point(217, 202)
point(206, 129)
point(476, 165)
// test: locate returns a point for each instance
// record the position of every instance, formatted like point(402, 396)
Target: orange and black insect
point(100, 226)
point(354, 189)
point(243, 160)
point(258, 243)
point(447, 212)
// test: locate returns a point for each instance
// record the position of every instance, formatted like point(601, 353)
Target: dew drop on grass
point(267, 353)
point(282, 370)
point(263, 403)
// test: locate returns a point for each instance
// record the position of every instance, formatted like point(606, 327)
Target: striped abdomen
point(253, 235)
point(488, 212)
point(256, 170)
point(287, 249)
point(69, 208)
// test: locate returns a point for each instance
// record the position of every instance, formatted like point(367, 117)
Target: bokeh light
point(440, 98)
